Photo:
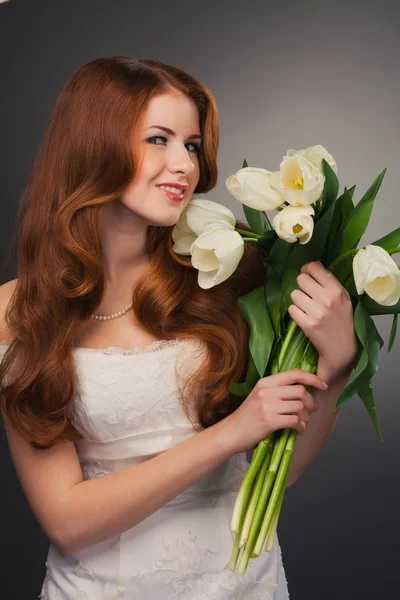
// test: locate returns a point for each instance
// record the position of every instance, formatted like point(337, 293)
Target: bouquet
point(312, 223)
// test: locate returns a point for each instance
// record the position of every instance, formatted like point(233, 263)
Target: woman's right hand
point(276, 402)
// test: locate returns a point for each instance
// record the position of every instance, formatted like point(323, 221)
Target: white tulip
point(250, 186)
point(183, 239)
point(376, 273)
point(294, 223)
point(216, 254)
point(194, 219)
point(315, 154)
point(298, 181)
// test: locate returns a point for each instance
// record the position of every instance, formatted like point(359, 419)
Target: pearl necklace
point(113, 315)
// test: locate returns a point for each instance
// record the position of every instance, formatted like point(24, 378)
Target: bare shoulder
point(6, 292)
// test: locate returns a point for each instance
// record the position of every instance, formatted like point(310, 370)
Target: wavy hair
point(86, 159)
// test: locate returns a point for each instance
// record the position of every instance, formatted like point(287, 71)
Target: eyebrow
point(196, 136)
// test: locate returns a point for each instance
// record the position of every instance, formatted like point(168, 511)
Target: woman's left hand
point(322, 309)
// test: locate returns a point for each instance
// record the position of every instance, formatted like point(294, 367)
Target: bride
point(116, 364)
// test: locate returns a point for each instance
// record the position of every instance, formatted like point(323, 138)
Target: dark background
point(285, 75)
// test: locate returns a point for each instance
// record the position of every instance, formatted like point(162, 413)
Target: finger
point(310, 287)
point(292, 422)
point(295, 392)
point(290, 377)
point(298, 392)
point(299, 316)
point(307, 304)
point(291, 407)
point(321, 275)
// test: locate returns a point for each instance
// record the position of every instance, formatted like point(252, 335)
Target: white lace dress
point(128, 410)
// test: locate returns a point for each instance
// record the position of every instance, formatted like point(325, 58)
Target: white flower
point(298, 181)
point(376, 273)
point(216, 254)
point(314, 154)
point(250, 186)
point(194, 219)
point(294, 223)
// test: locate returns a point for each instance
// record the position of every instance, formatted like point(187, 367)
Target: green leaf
point(393, 332)
point(373, 308)
point(343, 207)
point(241, 390)
point(391, 240)
point(255, 219)
point(276, 263)
point(266, 241)
point(244, 388)
point(253, 307)
point(356, 223)
point(331, 187)
point(368, 359)
point(351, 191)
point(366, 394)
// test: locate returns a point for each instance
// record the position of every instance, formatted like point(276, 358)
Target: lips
point(181, 186)
point(172, 195)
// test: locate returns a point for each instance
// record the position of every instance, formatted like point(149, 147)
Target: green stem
point(274, 523)
point(250, 239)
point(247, 233)
point(349, 253)
point(263, 499)
point(288, 338)
point(276, 492)
point(234, 554)
point(268, 222)
point(244, 492)
point(254, 498)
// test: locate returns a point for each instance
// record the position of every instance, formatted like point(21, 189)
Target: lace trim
point(155, 346)
point(181, 565)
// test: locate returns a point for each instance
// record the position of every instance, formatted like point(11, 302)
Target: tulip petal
point(203, 212)
point(295, 223)
point(206, 280)
point(376, 273)
point(216, 254)
point(295, 172)
point(250, 186)
point(183, 244)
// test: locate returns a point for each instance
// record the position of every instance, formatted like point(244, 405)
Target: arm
point(76, 513)
point(319, 429)
point(322, 308)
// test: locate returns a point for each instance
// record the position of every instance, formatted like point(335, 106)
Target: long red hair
point(85, 161)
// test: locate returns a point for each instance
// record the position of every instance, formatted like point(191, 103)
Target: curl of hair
point(86, 160)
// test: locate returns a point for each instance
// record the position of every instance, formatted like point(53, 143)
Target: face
point(169, 138)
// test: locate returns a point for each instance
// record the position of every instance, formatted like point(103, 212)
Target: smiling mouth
point(172, 195)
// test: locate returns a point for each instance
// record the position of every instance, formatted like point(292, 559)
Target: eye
point(151, 140)
point(195, 146)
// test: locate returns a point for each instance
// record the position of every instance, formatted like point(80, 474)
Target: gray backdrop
point(285, 75)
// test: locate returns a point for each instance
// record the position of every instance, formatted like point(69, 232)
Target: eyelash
point(162, 137)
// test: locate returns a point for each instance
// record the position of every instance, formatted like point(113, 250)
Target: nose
point(181, 160)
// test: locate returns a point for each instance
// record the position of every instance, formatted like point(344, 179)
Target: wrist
point(330, 372)
point(222, 438)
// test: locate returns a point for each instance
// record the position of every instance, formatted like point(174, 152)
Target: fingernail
point(316, 407)
point(325, 385)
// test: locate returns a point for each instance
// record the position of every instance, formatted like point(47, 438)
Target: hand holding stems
point(277, 402)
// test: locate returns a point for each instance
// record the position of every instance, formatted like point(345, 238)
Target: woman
point(128, 446)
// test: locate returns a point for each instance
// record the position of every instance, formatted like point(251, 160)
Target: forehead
point(173, 110)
